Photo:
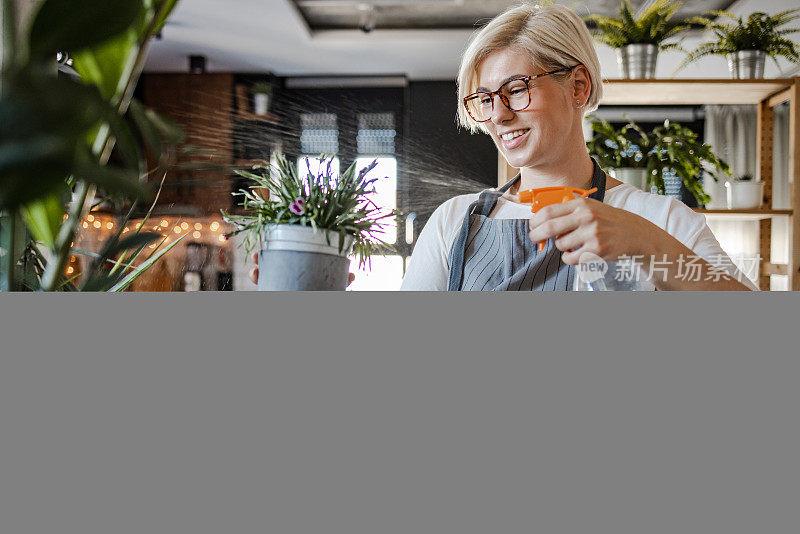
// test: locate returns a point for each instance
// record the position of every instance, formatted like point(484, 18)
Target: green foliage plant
point(322, 200)
point(262, 88)
point(669, 146)
point(759, 31)
point(58, 132)
point(652, 25)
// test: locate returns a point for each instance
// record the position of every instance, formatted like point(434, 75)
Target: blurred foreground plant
point(57, 134)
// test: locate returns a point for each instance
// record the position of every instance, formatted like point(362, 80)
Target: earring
point(578, 102)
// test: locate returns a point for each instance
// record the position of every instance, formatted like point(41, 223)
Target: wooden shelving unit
point(752, 214)
point(766, 94)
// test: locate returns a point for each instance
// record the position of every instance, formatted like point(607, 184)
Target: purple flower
point(295, 208)
point(300, 201)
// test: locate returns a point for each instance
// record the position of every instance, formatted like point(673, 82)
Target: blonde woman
point(527, 79)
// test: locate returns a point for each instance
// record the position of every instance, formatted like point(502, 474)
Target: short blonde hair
point(552, 35)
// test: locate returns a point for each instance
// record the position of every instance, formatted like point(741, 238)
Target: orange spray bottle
point(544, 196)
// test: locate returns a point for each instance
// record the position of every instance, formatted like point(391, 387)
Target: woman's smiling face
point(538, 134)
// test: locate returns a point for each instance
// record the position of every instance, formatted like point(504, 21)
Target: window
point(319, 133)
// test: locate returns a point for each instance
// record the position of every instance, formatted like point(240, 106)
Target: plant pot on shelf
point(747, 64)
point(261, 103)
point(717, 191)
point(299, 258)
point(636, 177)
point(637, 61)
point(744, 194)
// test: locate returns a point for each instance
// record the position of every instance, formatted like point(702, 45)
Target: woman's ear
point(581, 84)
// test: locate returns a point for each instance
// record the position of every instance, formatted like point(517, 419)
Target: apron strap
point(486, 202)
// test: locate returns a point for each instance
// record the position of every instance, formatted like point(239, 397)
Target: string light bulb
point(198, 226)
point(196, 234)
point(214, 226)
point(185, 225)
point(96, 224)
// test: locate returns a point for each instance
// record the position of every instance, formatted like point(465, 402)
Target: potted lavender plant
point(305, 224)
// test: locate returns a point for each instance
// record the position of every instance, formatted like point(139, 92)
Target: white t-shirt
point(429, 265)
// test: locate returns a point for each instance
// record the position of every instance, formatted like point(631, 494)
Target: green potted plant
point(744, 192)
point(669, 146)
point(638, 39)
point(747, 42)
point(262, 93)
point(619, 150)
point(306, 223)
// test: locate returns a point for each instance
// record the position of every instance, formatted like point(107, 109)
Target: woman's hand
point(254, 272)
point(587, 225)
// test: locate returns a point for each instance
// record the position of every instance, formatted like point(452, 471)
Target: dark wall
point(438, 152)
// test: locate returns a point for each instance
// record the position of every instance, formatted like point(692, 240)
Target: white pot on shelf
point(744, 194)
point(717, 191)
point(261, 103)
point(636, 177)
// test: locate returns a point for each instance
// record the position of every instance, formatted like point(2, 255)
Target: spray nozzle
point(544, 196)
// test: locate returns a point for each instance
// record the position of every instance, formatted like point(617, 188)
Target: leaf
point(43, 218)
point(112, 180)
point(150, 134)
point(169, 129)
point(91, 23)
point(165, 7)
point(138, 271)
point(131, 242)
point(105, 66)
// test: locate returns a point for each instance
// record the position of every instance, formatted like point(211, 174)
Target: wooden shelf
point(270, 118)
point(250, 162)
point(690, 92)
point(751, 214)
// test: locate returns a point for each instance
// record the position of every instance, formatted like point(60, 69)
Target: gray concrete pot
point(637, 61)
point(747, 64)
point(299, 258)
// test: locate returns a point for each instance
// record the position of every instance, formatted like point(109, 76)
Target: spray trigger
point(545, 196)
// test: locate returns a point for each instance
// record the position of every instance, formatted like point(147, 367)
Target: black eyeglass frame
point(503, 99)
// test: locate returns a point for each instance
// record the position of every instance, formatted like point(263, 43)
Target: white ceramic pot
point(717, 191)
point(299, 258)
point(744, 194)
point(261, 103)
point(631, 176)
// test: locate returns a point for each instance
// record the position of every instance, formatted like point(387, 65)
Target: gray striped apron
point(498, 254)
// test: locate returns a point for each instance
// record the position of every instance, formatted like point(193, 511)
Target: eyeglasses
point(515, 94)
